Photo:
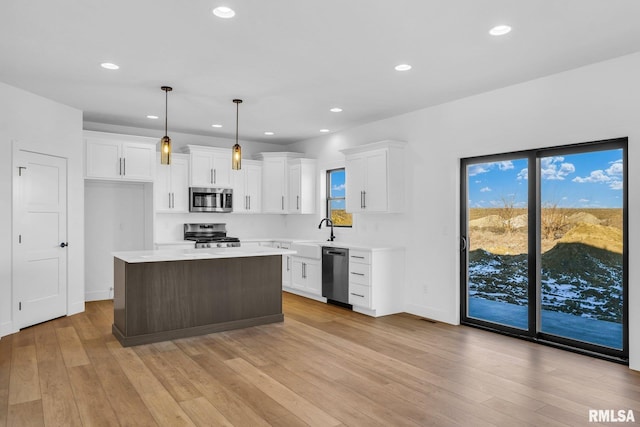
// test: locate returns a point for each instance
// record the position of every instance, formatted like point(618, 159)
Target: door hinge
point(20, 306)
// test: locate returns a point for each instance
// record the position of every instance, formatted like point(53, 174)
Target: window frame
point(329, 199)
point(533, 333)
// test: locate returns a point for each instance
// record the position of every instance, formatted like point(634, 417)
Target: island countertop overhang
point(163, 255)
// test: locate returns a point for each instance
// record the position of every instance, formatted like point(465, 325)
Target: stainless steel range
point(210, 236)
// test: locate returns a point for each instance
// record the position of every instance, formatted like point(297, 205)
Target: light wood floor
point(323, 366)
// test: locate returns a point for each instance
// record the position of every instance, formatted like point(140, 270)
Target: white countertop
point(205, 253)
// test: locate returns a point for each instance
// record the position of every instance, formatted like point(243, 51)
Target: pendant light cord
point(166, 110)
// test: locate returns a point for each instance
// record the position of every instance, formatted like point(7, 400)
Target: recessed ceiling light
point(216, 126)
point(269, 133)
point(224, 12)
point(109, 66)
point(336, 110)
point(403, 67)
point(500, 30)
point(152, 117)
point(324, 130)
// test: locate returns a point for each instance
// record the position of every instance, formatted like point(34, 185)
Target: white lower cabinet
point(287, 264)
point(376, 281)
point(306, 275)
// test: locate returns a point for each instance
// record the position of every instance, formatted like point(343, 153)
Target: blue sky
point(585, 180)
point(338, 187)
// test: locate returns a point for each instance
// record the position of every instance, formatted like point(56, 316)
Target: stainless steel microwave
point(210, 199)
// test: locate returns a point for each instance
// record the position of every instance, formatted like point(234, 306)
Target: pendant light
point(236, 152)
point(165, 142)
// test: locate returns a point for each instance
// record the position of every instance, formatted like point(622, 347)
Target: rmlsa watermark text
point(611, 416)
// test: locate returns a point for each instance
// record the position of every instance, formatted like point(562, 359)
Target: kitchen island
point(168, 294)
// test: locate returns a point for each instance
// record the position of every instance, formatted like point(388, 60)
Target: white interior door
point(40, 230)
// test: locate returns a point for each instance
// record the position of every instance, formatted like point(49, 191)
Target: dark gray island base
point(166, 300)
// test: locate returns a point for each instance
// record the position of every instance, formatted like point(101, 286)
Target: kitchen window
point(336, 200)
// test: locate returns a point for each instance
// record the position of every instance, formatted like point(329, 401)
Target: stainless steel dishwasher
point(335, 275)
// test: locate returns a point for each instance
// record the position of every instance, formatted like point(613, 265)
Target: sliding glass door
point(543, 252)
point(498, 242)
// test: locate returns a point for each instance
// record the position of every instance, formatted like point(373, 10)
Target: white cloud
point(506, 165)
point(583, 200)
point(478, 181)
point(479, 168)
point(615, 185)
point(611, 176)
point(485, 189)
point(615, 169)
point(523, 174)
point(338, 187)
point(594, 176)
point(553, 168)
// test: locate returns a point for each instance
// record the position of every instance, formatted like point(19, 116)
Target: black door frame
point(534, 250)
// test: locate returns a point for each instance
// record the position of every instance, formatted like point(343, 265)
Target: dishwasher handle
point(335, 251)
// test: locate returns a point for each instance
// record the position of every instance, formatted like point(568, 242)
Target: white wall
point(591, 103)
point(35, 123)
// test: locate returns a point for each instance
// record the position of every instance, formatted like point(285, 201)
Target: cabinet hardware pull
point(358, 295)
point(361, 200)
point(364, 200)
point(249, 199)
point(288, 259)
point(211, 176)
point(120, 170)
point(124, 166)
point(173, 200)
point(169, 200)
point(215, 176)
point(357, 256)
point(357, 274)
point(298, 203)
point(282, 202)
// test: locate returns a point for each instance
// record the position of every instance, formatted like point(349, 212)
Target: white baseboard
point(6, 328)
point(305, 294)
point(75, 308)
point(97, 295)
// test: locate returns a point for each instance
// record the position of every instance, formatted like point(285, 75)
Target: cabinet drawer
point(359, 295)
point(362, 257)
point(359, 273)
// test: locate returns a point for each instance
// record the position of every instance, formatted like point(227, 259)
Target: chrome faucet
point(329, 222)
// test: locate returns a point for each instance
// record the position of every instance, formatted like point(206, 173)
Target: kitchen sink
point(307, 250)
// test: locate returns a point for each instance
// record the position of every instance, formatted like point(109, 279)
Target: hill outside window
point(336, 201)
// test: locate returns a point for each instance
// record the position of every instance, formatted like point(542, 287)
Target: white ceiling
point(292, 60)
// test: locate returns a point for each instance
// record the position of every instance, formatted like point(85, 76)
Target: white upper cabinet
point(171, 186)
point(302, 186)
point(277, 194)
point(375, 177)
point(274, 185)
point(247, 187)
point(209, 166)
point(119, 157)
